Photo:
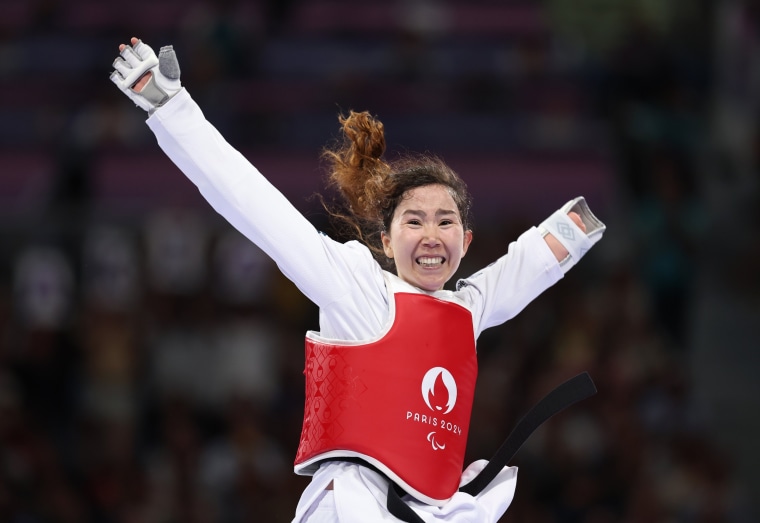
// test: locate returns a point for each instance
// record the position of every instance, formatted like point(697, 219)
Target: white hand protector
point(134, 62)
point(562, 227)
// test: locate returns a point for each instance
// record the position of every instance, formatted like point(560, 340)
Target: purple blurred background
point(151, 358)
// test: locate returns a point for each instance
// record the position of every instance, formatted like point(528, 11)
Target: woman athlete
point(391, 372)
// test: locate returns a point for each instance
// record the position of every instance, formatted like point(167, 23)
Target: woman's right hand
point(144, 78)
point(148, 80)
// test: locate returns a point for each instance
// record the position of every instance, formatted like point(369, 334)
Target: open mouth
point(430, 262)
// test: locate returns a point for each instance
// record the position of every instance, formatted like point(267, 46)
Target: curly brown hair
point(371, 188)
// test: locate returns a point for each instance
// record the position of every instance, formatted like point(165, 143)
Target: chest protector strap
point(571, 391)
point(402, 403)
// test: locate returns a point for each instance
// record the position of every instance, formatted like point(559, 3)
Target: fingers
point(132, 41)
point(130, 55)
point(577, 220)
point(121, 67)
point(132, 63)
point(126, 64)
point(143, 50)
point(136, 53)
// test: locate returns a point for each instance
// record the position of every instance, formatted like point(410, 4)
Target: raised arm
point(321, 268)
point(534, 262)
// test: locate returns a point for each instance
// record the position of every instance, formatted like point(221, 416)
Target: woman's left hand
point(577, 220)
point(559, 250)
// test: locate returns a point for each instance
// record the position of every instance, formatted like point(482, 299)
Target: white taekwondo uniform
point(349, 287)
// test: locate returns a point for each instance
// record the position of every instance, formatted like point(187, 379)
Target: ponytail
point(357, 170)
point(371, 188)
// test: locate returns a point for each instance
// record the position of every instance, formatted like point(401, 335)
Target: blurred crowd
point(151, 357)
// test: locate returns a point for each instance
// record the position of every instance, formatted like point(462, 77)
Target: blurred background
point(151, 358)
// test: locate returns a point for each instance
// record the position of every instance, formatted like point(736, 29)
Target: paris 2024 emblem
point(439, 392)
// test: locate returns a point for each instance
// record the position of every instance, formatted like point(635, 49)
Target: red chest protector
point(401, 403)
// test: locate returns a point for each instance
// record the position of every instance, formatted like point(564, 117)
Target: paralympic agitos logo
point(439, 392)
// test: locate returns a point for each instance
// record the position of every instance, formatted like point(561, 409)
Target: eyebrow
point(439, 212)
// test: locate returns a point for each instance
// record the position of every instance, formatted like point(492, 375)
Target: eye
point(447, 222)
point(414, 221)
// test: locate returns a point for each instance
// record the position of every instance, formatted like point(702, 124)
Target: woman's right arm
point(241, 194)
point(321, 268)
point(342, 279)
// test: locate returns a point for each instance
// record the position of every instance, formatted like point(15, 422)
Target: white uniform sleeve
point(320, 267)
point(504, 288)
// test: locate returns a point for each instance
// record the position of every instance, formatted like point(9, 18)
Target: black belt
point(573, 390)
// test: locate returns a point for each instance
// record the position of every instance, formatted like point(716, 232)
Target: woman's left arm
point(534, 262)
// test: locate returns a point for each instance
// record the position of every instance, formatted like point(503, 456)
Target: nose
point(431, 239)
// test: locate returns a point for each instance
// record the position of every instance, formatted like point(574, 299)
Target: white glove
point(564, 229)
point(134, 62)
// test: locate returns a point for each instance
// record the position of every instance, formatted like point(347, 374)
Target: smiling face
point(426, 238)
